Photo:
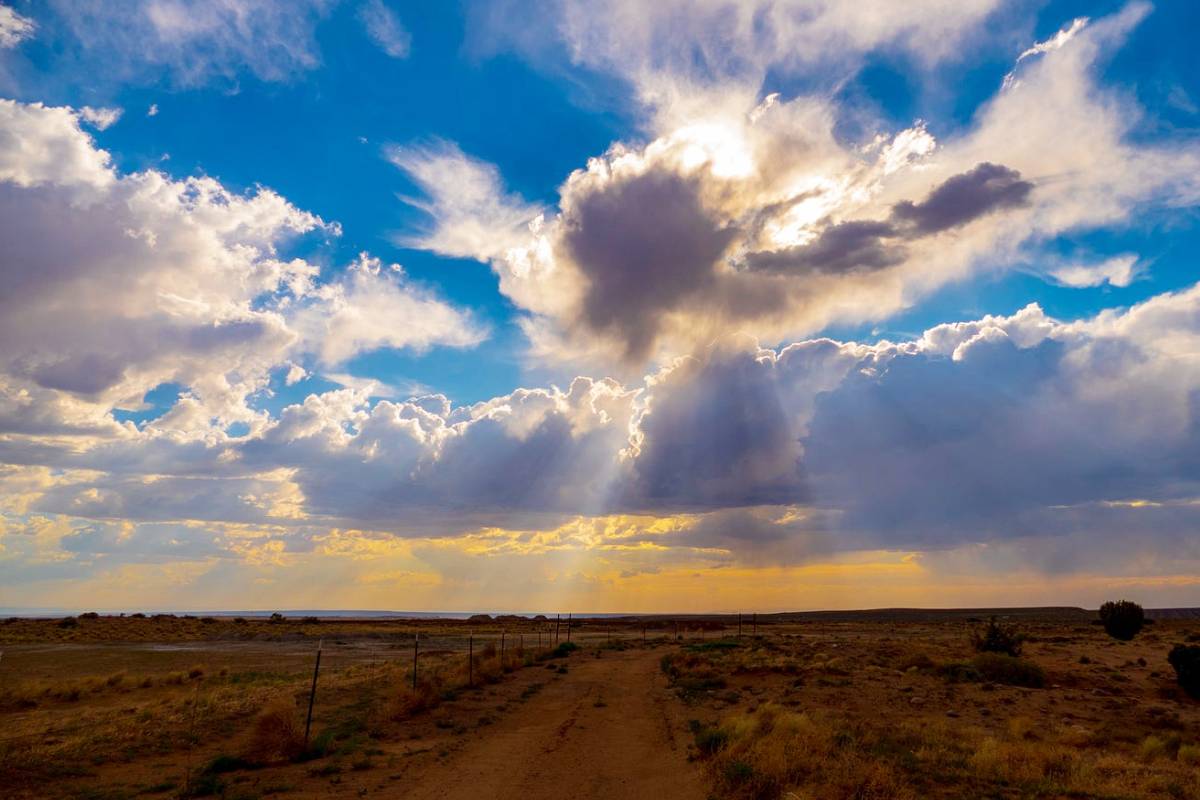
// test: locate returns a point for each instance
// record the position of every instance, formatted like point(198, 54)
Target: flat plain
point(844, 705)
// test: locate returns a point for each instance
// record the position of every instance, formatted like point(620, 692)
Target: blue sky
point(209, 199)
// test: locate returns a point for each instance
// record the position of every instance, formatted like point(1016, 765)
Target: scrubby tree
point(996, 637)
point(1122, 619)
point(1185, 658)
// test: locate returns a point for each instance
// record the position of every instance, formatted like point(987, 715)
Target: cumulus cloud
point(977, 432)
point(754, 216)
point(195, 41)
point(371, 307)
point(118, 283)
point(14, 28)
point(385, 29)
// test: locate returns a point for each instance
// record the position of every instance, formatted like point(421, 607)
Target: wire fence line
point(419, 648)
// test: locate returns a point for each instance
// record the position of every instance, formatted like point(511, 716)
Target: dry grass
point(278, 733)
point(846, 710)
point(772, 751)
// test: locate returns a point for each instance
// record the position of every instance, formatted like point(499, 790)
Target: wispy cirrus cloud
point(193, 41)
point(385, 29)
point(14, 28)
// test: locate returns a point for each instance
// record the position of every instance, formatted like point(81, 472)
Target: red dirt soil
point(611, 729)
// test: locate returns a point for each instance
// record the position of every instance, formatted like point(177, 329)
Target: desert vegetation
point(224, 702)
point(981, 709)
point(1039, 705)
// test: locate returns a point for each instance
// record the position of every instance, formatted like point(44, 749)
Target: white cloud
point(100, 118)
point(14, 28)
point(983, 431)
point(472, 216)
point(372, 306)
point(1117, 271)
point(118, 283)
point(41, 144)
point(385, 28)
point(754, 216)
point(195, 41)
point(1055, 42)
point(152, 111)
point(683, 57)
point(295, 374)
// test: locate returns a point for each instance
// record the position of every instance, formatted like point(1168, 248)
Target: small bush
point(1009, 670)
point(562, 651)
point(996, 637)
point(409, 702)
point(278, 733)
point(276, 618)
point(223, 763)
point(1154, 747)
point(68, 622)
point(917, 661)
point(89, 615)
point(1122, 619)
point(1185, 658)
point(708, 739)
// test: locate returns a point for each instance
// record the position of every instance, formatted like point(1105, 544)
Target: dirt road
point(609, 729)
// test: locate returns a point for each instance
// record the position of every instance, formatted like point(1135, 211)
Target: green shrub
point(709, 740)
point(1185, 658)
point(996, 637)
point(562, 651)
point(1122, 619)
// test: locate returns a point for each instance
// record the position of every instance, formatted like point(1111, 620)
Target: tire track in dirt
point(606, 730)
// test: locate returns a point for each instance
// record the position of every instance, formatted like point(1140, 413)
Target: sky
point(566, 305)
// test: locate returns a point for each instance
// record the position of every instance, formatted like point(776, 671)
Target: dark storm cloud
point(964, 198)
point(646, 246)
point(870, 245)
point(844, 247)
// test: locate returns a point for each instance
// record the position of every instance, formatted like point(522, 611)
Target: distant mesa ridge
point(1049, 613)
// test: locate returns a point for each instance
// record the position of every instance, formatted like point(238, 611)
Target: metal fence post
point(416, 647)
point(312, 694)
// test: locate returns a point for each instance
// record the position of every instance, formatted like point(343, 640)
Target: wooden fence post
point(569, 627)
